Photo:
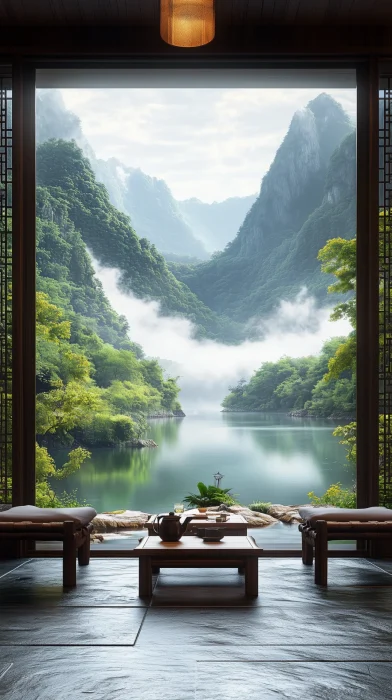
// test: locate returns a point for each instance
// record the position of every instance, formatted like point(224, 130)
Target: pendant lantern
point(187, 23)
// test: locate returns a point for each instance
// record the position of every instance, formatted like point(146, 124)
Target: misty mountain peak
point(325, 106)
point(54, 120)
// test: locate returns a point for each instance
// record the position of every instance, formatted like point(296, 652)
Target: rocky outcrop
point(136, 520)
point(300, 413)
point(276, 512)
point(286, 514)
point(141, 443)
point(131, 519)
point(304, 413)
point(253, 518)
point(167, 414)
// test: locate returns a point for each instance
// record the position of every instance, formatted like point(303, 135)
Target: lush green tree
point(88, 392)
point(295, 384)
point(111, 365)
point(129, 398)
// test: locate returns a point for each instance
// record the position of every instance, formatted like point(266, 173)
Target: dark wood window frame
point(24, 71)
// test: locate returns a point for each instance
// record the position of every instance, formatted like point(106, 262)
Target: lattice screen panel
point(385, 306)
point(5, 290)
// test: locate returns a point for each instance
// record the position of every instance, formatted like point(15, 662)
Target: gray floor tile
point(200, 633)
point(70, 626)
point(102, 583)
point(6, 567)
point(101, 674)
point(384, 564)
point(291, 625)
point(292, 680)
point(182, 588)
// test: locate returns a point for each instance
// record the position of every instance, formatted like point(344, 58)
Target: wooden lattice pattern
point(5, 290)
point(385, 305)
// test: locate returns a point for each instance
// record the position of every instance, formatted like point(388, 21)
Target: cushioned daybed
point(71, 526)
point(323, 524)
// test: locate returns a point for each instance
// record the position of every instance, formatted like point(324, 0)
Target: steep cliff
point(301, 204)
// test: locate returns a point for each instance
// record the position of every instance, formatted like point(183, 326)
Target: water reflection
point(263, 457)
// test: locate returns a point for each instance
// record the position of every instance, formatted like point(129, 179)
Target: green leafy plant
point(209, 496)
point(260, 506)
point(337, 496)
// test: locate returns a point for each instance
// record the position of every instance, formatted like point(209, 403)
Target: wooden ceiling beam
point(234, 13)
point(123, 42)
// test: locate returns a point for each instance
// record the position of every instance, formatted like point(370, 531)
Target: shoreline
point(299, 413)
point(167, 414)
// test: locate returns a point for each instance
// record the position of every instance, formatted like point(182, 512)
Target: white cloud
point(205, 143)
point(206, 367)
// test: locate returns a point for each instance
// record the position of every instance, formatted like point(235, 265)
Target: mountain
point(157, 216)
point(307, 197)
point(66, 275)
point(216, 224)
point(93, 385)
point(68, 177)
point(148, 201)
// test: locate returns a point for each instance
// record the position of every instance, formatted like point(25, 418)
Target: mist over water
point(206, 368)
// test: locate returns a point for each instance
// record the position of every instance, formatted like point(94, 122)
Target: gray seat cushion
point(344, 515)
point(81, 516)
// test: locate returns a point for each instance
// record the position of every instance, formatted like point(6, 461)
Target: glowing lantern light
point(187, 23)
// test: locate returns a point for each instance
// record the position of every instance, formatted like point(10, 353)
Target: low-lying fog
point(206, 368)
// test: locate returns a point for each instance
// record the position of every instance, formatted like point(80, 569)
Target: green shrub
point(337, 496)
point(105, 430)
point(46, 469)
point(209, 496)
point(260, 506)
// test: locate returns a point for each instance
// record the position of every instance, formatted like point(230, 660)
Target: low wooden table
point(235, 525)
point(192, 552)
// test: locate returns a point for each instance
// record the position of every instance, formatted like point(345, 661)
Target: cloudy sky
point(205, 143)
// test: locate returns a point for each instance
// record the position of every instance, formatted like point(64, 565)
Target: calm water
point(266, 457)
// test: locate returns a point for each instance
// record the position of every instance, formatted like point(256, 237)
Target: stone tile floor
point(198, 638)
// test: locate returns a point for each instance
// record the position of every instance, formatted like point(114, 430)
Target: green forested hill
point(65, 274)
point(154, 212)
point(307, 197)
point(297, 384)
point(67, 175)
point(93, 385)
point(80, 337)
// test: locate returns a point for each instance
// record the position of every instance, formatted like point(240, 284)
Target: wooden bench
point(334, 524)
point(39, 525)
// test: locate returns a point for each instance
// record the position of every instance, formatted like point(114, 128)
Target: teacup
point(212, 532)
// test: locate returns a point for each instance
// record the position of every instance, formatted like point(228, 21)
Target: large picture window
point(196, 291)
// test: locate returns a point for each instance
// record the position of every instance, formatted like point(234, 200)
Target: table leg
point(252, 577)
point(145, 577)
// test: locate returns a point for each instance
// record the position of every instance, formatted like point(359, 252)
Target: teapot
point(169, 527)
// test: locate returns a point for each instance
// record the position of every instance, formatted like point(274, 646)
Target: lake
point(264, 457)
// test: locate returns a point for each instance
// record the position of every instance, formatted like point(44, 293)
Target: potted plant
point(209, 496)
